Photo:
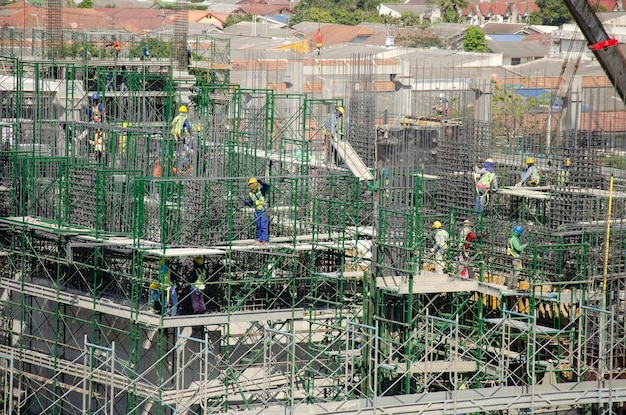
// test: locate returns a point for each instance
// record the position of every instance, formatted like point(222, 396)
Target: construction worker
point(196, 281)
point(181, 127)
point(441, 246)
point(515, 249)
point(463, 254)
point(563, 176)
point(531, 176)
point(331, 131)
point(485, 181)
point(117, 46)
point(442, 109)
point(98, 145)
point(154, 303)
point(257, 200)
point(95, 112)
point(168, 284)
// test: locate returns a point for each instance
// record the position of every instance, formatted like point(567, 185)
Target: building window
point(516, 61)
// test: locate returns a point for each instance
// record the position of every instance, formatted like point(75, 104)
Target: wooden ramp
point(352, 159)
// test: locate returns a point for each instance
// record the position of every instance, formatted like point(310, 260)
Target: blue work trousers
point(262, 225)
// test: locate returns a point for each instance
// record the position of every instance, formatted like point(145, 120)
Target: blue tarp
point(506, 38)
point(544, 95)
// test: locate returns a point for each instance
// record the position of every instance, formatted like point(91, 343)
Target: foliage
point(348, 12)
point(474, 40)
point(552, 12)
point(450, 10)
point(418, 39)
point(234, 19)
point(510, 113)
point(86, 4)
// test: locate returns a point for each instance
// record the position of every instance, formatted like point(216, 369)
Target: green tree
point(512, 114)
point(552, 12)
point(86, 4)
point(474, 40)
point(450, 10)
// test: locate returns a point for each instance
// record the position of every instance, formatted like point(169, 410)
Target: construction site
point(346, 310)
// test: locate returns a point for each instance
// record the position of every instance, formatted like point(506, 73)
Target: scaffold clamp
point(605, 44)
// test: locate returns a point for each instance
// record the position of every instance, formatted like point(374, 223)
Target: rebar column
point(181, 29)
point(53, 28)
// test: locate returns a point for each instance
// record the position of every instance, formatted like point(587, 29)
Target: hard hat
point(568, 162)
point(530, 160)
point(489, 160)
point(518, 230)
point(340, 109)
point(442, 95)
point(182, 108)
point(95, 96)
point(154, 286)
point(467, 222)
point(252, 180)
point(436, 224)
point(199, 260)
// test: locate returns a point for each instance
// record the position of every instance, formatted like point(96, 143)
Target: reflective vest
point(441, 239)
point(117, 44)
point(534, 176)
point(485, 180)
point(99, 141)
point(177, 125)
point(200, 277)
point(258, 199)
point(563, 177)
point(96, 114)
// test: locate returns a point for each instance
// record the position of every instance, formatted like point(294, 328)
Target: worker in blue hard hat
point(515, 249)
point(95, 111)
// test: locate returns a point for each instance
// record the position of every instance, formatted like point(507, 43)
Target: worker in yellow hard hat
point(441, 246)
point(196, 281)
point(181, 127)
point(154, 299)
point(563, 177)
point(257, 199)
point(531, 176)
point(332, 131)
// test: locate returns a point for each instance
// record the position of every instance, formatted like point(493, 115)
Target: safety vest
point(99, 141)
point(511, 250)
point(177, 125)
point(563, 177)
point(534, 176)
point(117, 44)
point(258, 199)
point(485, 180)
point(442, 237)
point(200, 275)
point(96, 114)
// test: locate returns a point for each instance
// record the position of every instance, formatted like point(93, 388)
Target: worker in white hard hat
point(442, 108)
point(441, 246)
point(485, 181)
